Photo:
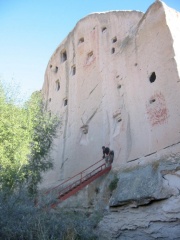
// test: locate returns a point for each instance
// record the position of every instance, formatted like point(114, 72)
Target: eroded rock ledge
point(145, 204)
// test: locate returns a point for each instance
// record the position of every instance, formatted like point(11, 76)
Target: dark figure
point(106, 150)
point(103, 149)
point(111, 157)
point(108, 155)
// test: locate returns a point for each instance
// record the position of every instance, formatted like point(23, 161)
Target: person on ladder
point(108, 155)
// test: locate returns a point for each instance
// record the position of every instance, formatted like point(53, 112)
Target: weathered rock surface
point(144, 184)
point(159, 220)
point(114, 81)
point(146, 204)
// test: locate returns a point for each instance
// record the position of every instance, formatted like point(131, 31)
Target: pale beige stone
point(114, 81)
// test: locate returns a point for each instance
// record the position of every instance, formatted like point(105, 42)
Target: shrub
point(113, 184)
point(20, 219)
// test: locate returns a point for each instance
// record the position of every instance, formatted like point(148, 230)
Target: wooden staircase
point(71, 186)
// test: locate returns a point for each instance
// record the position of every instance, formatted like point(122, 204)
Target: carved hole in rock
point(119, 86)
point(50, 66)
point(84, 129)
point(117, 76)
point(117, 116)
point(104, 29)
point(135, 64)
point(63, 56)
point(90, 54)
point(57, 85)
point(114, 40)
point(90, 57)
point(152, 100)
point(113, 50)
point(65, 102)
point(152, 77)
point(81, 40)
point(56, 69)
point(73, 70)
point(49, 99)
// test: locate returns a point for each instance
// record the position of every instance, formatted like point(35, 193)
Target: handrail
point(74, 184)
point(48, 191)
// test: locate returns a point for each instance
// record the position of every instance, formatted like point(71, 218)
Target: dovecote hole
point(90, 54)
point(113, 50)
point(84, 129)
point(65, 102)
point(57, 85)
point(90, 58)
point(152, 100)
point(152, 78)
point(114, 40)
point(63, 56)
point(73, 70)
point(81, 40)
point(104, 29)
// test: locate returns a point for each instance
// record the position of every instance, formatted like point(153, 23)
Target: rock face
point(145, 204)
point(156, 221)
point(114, 81)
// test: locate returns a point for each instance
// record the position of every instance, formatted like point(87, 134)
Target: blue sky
point(31, 30)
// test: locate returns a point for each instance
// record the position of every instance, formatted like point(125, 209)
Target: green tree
point(26, 136)
point(14, 144)
point(42, 128)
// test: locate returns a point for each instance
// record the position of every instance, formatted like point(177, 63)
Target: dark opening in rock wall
point(152, 77)
point(56, 69)
point(73, 70)
point(63, 56)
point(81, 40)
point(114, 40)
point(113, 50)
point(152, 100)
point(65, 102)
point(57, 85)
point(104, 29)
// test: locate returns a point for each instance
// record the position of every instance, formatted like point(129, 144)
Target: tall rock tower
point(115, 81)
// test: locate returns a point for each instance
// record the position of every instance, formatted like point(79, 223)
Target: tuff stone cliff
point(114, 81)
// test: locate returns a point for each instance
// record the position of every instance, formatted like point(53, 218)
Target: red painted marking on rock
point(157, 111)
